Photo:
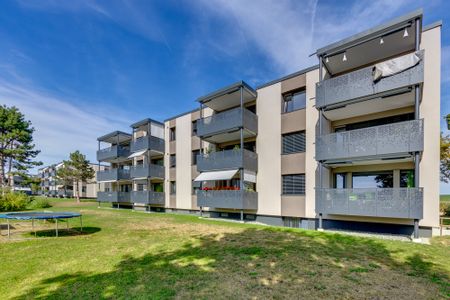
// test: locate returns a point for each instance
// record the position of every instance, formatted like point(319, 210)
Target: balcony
point(228, 199)
point(228, 159)
point(113, 153)
point(383, 141)
point(123, 197)
point(223, 126)
point(113, 175)
point(404, 203)
point(147, 143)
point(147, 171)
point(359, 84)
point(148, 197)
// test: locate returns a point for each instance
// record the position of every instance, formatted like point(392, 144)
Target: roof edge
point(217, 93)
point(145, 121)
point(351, 39)
point(432, 25)
point(114, 133)
point(289, 76)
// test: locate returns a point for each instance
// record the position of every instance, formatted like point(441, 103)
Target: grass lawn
point(445, 198)
point(125, 254)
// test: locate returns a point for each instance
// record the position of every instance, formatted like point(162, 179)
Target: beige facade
point(289, 174)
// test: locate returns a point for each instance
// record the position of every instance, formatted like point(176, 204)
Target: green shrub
point(14, 201)
point(445, 209)
point(39, 203)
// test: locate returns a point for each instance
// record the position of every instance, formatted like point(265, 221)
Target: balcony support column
point(320, 223)
point(417, 154)
point(242, 144)
point(416, 229)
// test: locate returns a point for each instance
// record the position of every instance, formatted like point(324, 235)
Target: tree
point(17, 151)
point(77, 169)
point(445, 158)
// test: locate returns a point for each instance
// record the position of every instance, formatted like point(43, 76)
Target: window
point(172, 134)
point(173, 161)
point(373, 180)
point(194, 156)
point(294, 184)
point(83, 189)
point(340, 180)
point(407, 179)
point(294, 101)
point(173, 187)
point(194, 128)
point(294, 142)
point(140, 187)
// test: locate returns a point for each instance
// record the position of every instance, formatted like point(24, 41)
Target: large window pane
point(294, 101)
point(373, 180)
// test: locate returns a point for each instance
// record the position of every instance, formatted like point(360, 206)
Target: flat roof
point(227, 90)
point(286, 77)
point(145, 121)
point(356, 38)
point(123, 136)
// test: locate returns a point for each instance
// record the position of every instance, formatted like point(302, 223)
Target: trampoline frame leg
point(32, 225)
point(81, 224)
point(9, 230)
point(56, 222)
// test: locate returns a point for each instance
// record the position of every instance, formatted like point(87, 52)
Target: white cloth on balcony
point(395, 66)
point(216, 175)
point(135, 154)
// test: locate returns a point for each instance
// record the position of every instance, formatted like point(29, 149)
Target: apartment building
point(51, 186)
point(136, 174)
point(350, 143)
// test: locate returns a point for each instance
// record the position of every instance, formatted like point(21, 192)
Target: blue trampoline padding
point(39, 215)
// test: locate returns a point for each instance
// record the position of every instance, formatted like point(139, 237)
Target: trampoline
point(25, 216)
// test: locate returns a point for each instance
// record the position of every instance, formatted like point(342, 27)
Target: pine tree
point(17, 151)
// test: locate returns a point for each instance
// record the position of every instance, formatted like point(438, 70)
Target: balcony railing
point(147, 170)
point(371, 202)
point(228, 199)
point(113, 152)
point(148, 197)
point(228, 159)
point(113, 175)
point(147, 143)
point(227, 121)
point(123, 197)
point(395, 138)
point(359, 84)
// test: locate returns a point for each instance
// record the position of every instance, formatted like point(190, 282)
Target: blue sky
point(80, 69)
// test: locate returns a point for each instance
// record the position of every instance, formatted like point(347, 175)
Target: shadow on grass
point(72, 231)
point(256, 263)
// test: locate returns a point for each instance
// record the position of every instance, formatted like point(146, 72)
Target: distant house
point(51, 186)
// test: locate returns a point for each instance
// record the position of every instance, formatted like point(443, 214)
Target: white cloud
point(61, 127)
point(287, 32)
